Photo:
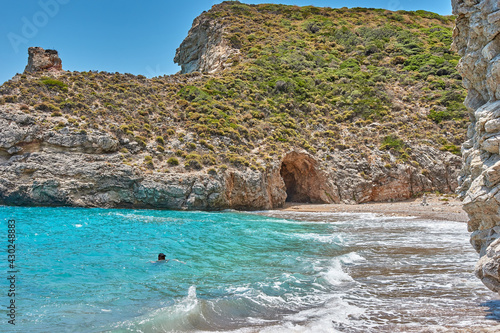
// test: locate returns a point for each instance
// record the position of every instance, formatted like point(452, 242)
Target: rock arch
point(304, 182)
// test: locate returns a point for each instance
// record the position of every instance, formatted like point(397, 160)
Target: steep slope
point(294, 103)
point(477, 40)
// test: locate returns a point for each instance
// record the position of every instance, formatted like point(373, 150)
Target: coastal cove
point(90, 270)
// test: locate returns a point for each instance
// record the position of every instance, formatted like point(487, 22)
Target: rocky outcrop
point(60, 167)
point(42, 60)
point(488, 266)
point(206, 48)
point(251, 190)
point(477, 39)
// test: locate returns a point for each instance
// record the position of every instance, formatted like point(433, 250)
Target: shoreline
point(440, 207)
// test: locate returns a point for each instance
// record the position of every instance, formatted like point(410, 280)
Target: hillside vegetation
point(321, 79)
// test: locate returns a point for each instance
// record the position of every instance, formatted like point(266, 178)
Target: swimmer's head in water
point(161, 256)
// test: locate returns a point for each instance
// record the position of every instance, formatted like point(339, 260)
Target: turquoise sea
point(94, 270)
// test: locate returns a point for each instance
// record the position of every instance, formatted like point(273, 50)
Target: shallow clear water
point(90, 270)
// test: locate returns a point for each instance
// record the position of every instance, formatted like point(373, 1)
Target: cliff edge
point(477, 40)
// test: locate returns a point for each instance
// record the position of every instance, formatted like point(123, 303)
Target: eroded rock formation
point(477, 39)
point(304, 182)
point(205, 49)
point(42, 60)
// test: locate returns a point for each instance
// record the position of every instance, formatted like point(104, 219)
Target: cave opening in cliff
point(299, 176)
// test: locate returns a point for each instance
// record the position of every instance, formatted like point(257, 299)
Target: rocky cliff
point(205, 49)
point(315, 107)
point(477, 40)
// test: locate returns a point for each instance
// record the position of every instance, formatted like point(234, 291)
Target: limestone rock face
point(205, 49)
point(477, 39)
point(42, 60)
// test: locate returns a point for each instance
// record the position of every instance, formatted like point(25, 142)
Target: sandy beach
point(440, 207)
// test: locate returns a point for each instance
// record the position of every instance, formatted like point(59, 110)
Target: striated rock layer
point(477, 39)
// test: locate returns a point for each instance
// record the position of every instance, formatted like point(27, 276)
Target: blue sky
point(127, 36)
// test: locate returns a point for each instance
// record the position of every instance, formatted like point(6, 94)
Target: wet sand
point(443, 207)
